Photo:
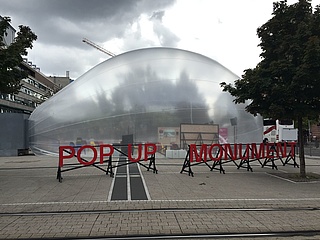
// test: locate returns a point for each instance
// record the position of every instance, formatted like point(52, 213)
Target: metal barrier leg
point(59, 177)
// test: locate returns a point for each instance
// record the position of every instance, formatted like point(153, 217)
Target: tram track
point(312, 234)
point(216, 236)
point(153, 210)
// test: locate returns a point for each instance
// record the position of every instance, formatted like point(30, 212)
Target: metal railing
point(311, 149)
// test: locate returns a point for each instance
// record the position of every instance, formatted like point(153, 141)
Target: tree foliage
point(286, 82)
point(11, 56)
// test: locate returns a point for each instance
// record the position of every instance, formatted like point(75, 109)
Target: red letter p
point(62, 156)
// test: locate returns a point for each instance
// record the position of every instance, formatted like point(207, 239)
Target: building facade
point(35, 89)
point(61, 81)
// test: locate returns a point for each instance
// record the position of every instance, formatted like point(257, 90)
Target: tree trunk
point(301, 149)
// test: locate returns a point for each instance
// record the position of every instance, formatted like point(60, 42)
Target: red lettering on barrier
point(270, 150)
point(147, 152)
point(245, 155)
point(282, 150)
point(194, 151)
point(62, 156)
point(292, 146)
point(106, 150)
point(107, 154)
point(94, 155)
point(257, 154)
point(218, 158)
point(233, 154)
point(130, 153)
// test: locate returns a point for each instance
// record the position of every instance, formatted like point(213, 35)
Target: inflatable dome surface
point(147, 93)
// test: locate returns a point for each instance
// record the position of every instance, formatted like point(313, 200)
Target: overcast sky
point(222, 30)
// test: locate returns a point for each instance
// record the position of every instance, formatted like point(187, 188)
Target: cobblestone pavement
point(34, 204)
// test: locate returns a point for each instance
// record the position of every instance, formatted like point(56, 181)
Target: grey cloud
point(158, 15)
point(63, 22)
point(165, 35)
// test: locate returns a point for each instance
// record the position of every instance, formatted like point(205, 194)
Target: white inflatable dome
point(137, 93)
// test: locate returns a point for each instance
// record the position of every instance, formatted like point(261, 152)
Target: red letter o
point(80, 160)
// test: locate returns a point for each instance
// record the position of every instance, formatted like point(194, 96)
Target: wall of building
point(35, 89)
point(10, 34)
point(13, 137)
point(315, 132)
point(61, 81)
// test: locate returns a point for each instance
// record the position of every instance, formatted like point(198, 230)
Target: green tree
point(11, 56)
point(286, 82)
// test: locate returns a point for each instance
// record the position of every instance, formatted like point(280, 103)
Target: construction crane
point(85, 40)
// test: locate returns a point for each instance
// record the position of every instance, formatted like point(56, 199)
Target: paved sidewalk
point(33, 204)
